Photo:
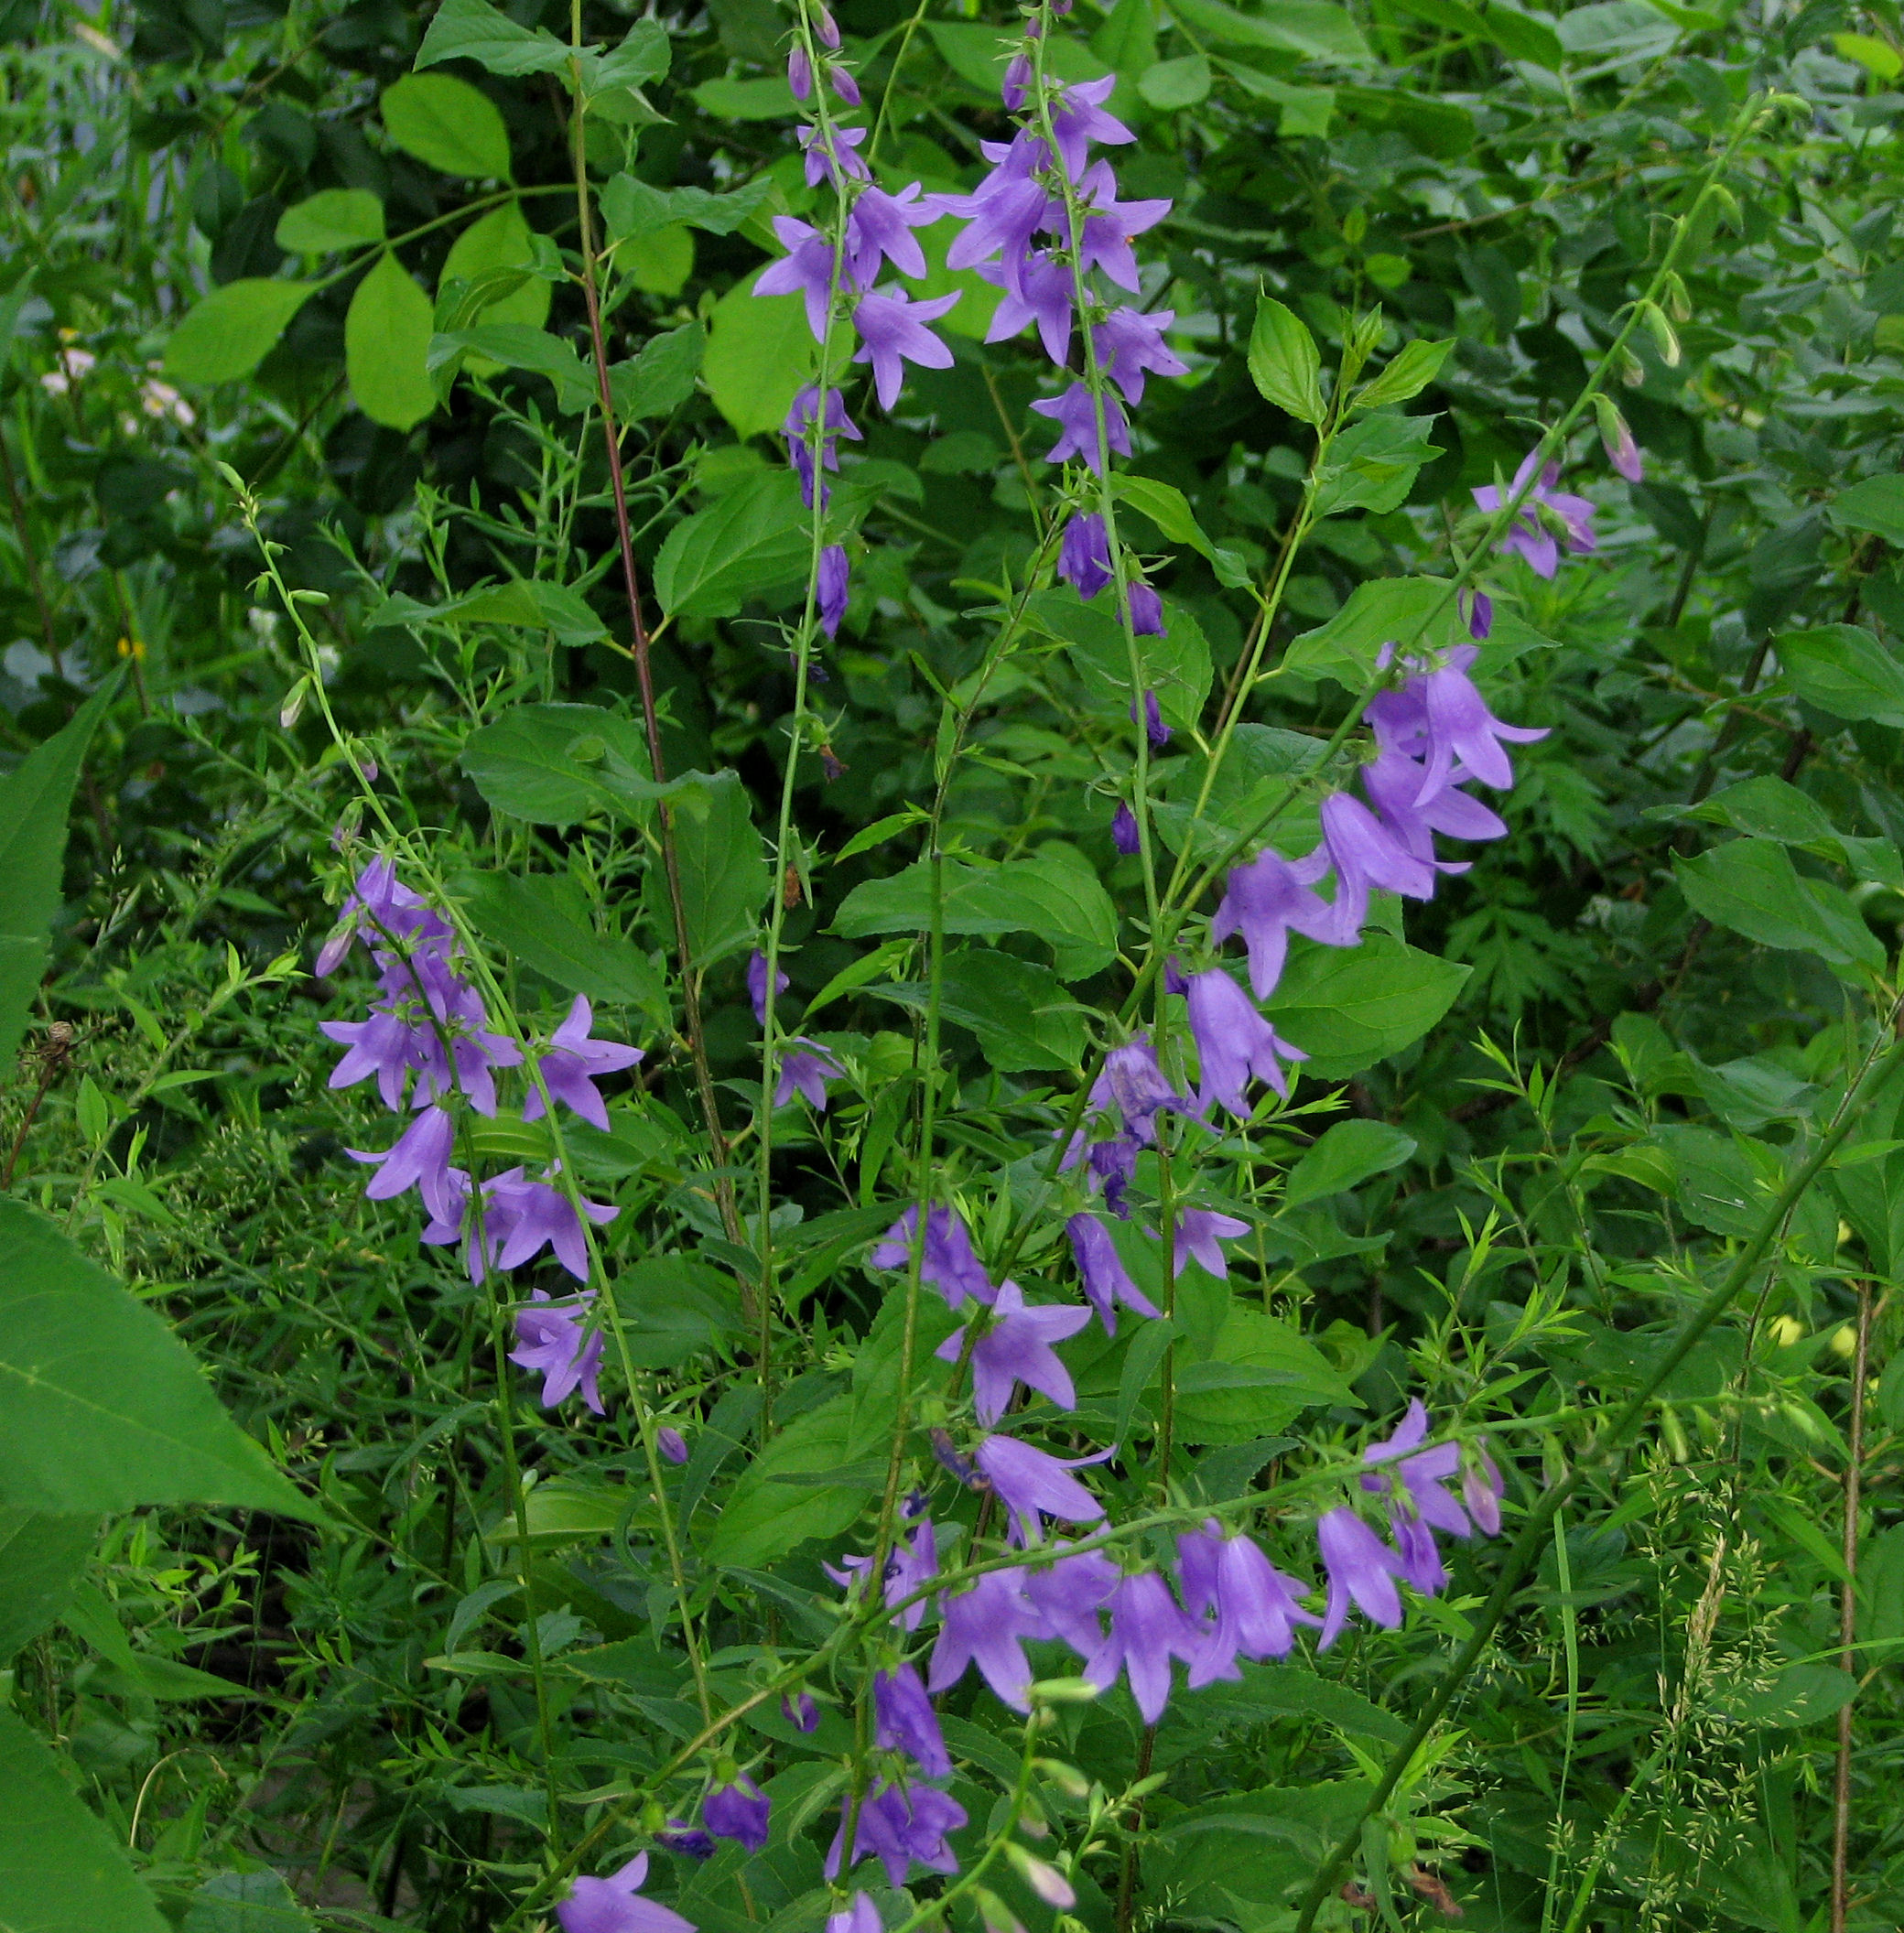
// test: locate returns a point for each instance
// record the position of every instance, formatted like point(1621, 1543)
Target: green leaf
point(448, 126)
point(336, 219)
point(632, 207)
point(536, 606)
point(534, 920)
point(386, 346)
point(675, 1309)
point(1350, 1007)
point(1845, 671)
point(644, 55)
point(1126, 42)
point(661, 378)
point(41, 1559)
point(761, 353)
point(1416, 614)
point(1260, 1376)
point(1718, 1188)
point(977, 53)
point(1407, 374)
point(473, 30)
point(1610, 34)
point(1310, 28)
point(101, 1407)
point(521, 345)
point(762, 1519)
point(500, 239)
point(60, 1871)
point(1295, 1692)
point(231, 331)
point(35, 797)
point(722, 866)
point(1285, 364)
point(1167, 507)
point(1373, 464)
point(1343, 1158)
point(757, 539)
point(555, 765)
point(1751, 887)
point(1060, 903)
point(1517, 36)
point(1173, 85)
point(769, 100)
point(1800, 1695)
point(1021, 1015)
point(1176, 666)
point(246, 1902)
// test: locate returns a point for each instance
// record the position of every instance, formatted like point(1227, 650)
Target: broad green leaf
point(61, 1870)
point(386, 346)
point(534, 606)
point(337, 218)
point(1799, 1695)
point(554, 764)
point(1294, 1691)
point(768, 100)
point(759, 354)
point(225, 336)
point(1021, 1015)
point(448, 126)
point(1770, 808)
point(1751, 887)
point(1172, 85)
point(41, 1559)
point(661, 378)
point(1167, 507)
point(1061, 903)
point(756, 540)
point(722, 866)
point(520, 345)
point(1845, 671)
point(1718, 1187)
point(674, 1309)
point(35, 797)
point(1310, 28)
point(1373, 464)
point(1878, 57)
point(1518, 36)
point(1126, 42)
point(500, 239)
point(644, 55)
point(1285, 364)
point(101, 1407)
point(1414, 614)
point(1350, 1007)
point(762, 1519)
point(1261, 1375)
point(1880, 1589)
point(245, 1903)
point(1409, 372)
point(534, 920)
point(1441, 129)
point(1176, 666)
point(1610, 34)
point(1343, 1158)
point(630, 206)
point(473, 30)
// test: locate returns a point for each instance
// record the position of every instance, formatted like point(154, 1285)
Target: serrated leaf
point(1409, 372)
point(1843, 670)
point(532, 920)
point(757, 539)
point(761, 353)
point(1416, 614)
point(41, 1559)
point(1751, 887)
point(473, 30)
point(1350, 1007)
point(1343, 1158)
point(555, 764)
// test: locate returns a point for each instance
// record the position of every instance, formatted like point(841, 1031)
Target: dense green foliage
point(394, 1647)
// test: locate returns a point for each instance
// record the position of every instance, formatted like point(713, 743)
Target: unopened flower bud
point(799, 74)
point(825, 27)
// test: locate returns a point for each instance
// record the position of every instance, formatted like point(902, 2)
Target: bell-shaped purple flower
point(1123, 831)
point(799, 431)
point(1029, 1481)
point(418, 1159)
point(897, 1825)
point(799, 73)
point(1076, 414)
point(1527, 534)
point(1039, 290)
point(1130, 345)
point(1147, 1630)
point(574, 1064)
point(811, 268)
point(831, 155)
point(1110, 226)
point(893, 332)
point(549, 1337)
point(1101, 1269)
point(1016, 1348)
point(757, 984)
point(1079, 118)
point(1256, 1607)
point(737, 1811)
point(880, 230)
point(987, 1626)
point(1361, 1569)
point(1266, 901)
point(382, 910)
point(1481, 1491)
point(613, 1905)
point(1233, 1042)
point(537, 1216)
point(830, 585)
point(806, 1067)
point(948, 1262)
point(1461, 727)
point(1083, 556)
point(905, 1721)
point(1147, 621)
point(1198, 1230)
point(1364, 855)
point(1069, 1595)
point(1394, 784)
point(1133, 1085)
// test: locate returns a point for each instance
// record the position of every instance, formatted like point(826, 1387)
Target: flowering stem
point(643, 669)
point(1525, 1551)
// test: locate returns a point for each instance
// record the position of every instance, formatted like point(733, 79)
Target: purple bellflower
point(1123, 831)
point(1028, 1481)
point(1198, 1230)
point(810, 268)
point(1110, 225)
point(1078, 118)
point(897, 1825)
point(1101, 1269)
point(381, 908)
point(1364, 855)
point(800, 1711)
point(909, 1568)
point(1129, 346)
point(1069, 1595)
point(831, 585)
point(1154, 728)
point(671, 1443)
point(879, 229)
point(987, 1626)
point(1460, 726)
point(1076, 414)
point(419, 1159)
point(833, 158)
point(1147, 1630)
point(804, 1068)
point(1233, 1042)
point(799, 73)
point(905, 1721)
point(1146, 615)
point(1481, 1491)
point(757, 984)
point(737, 1811)
point(542, 1217)
point(1361, 1568)
point(549, 1338)
point(1477, 612)
point(1016, 1348)
point(573, 1064)
point(1528, 535)
point(613, 1906)
point(860, 1916)
point(678, 1836)
point(948, 1263)
point(893, 331)
point(1256, 1606)
point(799, 431)
point(1083, 556)
point(1041, 292)
point(1266, 901)
point(1394, 783)
point(1132, 1084)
